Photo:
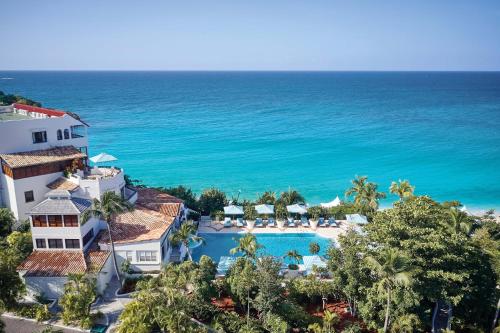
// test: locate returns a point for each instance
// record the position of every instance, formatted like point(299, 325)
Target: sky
point(347, 35)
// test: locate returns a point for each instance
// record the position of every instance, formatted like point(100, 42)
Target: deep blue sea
point(312, 131)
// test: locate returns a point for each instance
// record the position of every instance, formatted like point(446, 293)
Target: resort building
point(46, 179)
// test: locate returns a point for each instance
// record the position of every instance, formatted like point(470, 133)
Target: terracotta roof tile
point(170, 209)
point(151, 195)
point(53, 263)
point(35, 157)
point(62, 183)
point(95, 260)
point(141, 224)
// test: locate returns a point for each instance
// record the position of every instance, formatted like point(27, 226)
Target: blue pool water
point(313, 131)
point(217, 245)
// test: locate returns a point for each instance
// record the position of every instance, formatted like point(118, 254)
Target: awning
point(356, 219)
point(297, 209)
point(264, 209)
point(334, 203)
point(233, 210)
point(310, 261)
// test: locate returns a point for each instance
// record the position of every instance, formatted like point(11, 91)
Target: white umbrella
point(296, 209)
point(264, 209)
point(233, 210)
point(356, 219)
point(334, 203)
point(103, 157)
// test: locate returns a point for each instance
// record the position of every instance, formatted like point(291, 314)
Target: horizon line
point(260, 70)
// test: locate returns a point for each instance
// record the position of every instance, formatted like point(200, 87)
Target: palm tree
point(373, 196)
point(185, 234)
point(7, 220)
point(247, 245)
point(402, 189)
point(366, 195)
point(329, 320)
point(294, 256)
point(268, 198)
point(291, 197)
point(358, 189)
point(459, 221)
point(391, 269)
point(106, 209)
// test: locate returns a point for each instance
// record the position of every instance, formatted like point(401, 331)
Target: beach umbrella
point(296, 209)
point(310, 261)
point(264, 209)
point(356, 219)
point(102, 158)
point(233, 210)
point(334, 203)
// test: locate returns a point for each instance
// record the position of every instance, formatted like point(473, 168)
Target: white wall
point(105, 275)
point(15, 135)
point(139, 246)
point(50, 287)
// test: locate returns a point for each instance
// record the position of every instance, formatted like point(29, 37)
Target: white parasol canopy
point(103, 157)
point(233, 210)
point(264, 209)
point(296, 209)
point(334, 203)
point(356, 219)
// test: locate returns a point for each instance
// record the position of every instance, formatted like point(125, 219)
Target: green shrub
point(34, 311)
point(42, 313)
point(275, 324)
point(212, 200)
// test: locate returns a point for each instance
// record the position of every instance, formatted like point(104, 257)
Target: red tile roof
point(170, 209)
point(59, 263)
point(36, 157)
point(48, 112)
point(151, 195)
point(62, 183)
point(141, 224)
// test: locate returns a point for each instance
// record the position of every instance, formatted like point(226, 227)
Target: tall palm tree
point(402, 189)
point(268, 198)
point(366, 195)
point(459, 221)
point(186, 233)
point(358, 189)
point(391, 269)
point(294, 256)
point(373, 196)
point(106, 209)
point(291, 197)
point(247, 245)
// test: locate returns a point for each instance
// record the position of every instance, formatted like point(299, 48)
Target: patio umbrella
point(356, 219)
point(334, 203)
point(264, 209)
point(102, 158)
point(310, 261)
point(233, 210)
point(296, 209)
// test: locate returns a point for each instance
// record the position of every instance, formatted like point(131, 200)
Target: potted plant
point(315, 213)
point(293, 267)
point(280, 211)
point(250, 214)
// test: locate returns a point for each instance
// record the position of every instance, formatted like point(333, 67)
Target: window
point(146, 256)
point(127, 255)
point(66, 134)
point(71, 220)
point(39, 137)
point(29, 196)
point(39, 220)
point(72, 243)
point(88, 236)
point(55, 243)
point(40, 243)
point(55, 221)
point(77, 131)
point(59, 134)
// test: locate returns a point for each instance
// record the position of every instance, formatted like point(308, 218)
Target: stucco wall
point(50, 287)
point(105, 275)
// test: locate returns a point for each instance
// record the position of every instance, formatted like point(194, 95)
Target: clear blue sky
point(250, 35)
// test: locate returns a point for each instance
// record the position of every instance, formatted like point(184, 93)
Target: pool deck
point(327, 232)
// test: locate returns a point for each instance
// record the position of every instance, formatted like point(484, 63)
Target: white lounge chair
point(240, 222)
point(321, 222)
point(332, 222)
point(227, 222)
point(271, 222)
point(304, 221)
point(291, 222)
point(258, 222)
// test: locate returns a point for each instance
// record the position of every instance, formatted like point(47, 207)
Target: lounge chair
point(227, 222)
point(321, 222)
point(304, 221)
point(291, 222)
point(271, 222)
point(332, 222)
point(258, 222)
point(239, 222)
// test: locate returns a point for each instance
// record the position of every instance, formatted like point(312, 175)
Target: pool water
point(217, 245)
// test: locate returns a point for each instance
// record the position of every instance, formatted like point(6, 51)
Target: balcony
point(94, 182)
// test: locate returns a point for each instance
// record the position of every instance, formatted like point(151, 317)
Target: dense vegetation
point(408, 259)
point(10, 99)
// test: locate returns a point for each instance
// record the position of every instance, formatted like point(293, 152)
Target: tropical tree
point(106, 209)
point(268, 198)
point(406, 324)
point(294, 256)
point(459, 222)
point(6, 221)
point(247, 245)
point(270, 293)
point(402, 189)
point(391, 269)
point(358, 189)
point(373, 196)
point(185, 234)
point(314, 248)
point(184, 193)
point(330, 319)
point(291, 197)
point(212, 200)
point(366, 194)
point(79, 293)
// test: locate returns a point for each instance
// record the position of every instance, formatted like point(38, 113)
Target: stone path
point(111, 305)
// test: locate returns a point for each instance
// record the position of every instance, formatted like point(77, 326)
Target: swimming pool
point(217, 245)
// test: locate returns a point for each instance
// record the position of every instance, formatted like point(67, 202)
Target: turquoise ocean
point(312, 131)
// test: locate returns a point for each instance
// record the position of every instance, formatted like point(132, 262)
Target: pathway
point(110, 305)
point(15, 325)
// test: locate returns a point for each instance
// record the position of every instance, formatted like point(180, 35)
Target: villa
point(46, 179)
